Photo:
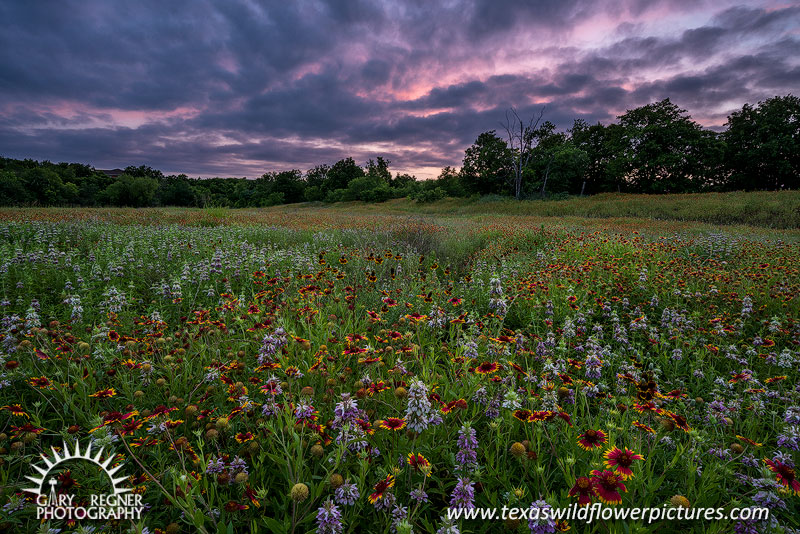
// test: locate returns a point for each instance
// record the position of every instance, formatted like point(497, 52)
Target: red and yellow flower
point(244, 437)
point(16, 409)
point(487, 368)
point(785, 475)
point(622, 460)
point(380, 489)
point(393, 423)
point(522, 415)
point(749, 441)
point(419, 463)
point(41, 382)
point(592, 438)
point(642, 426)
point(583, 490)
point(607, 486)
point(541, 415)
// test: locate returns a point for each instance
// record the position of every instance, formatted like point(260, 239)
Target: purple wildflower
point(467, 456)
point(346, 494)
point(418, 495)
point(463, 495)
point(539, 522)
point(419, 407)
point(346, 411)
point(329, 519)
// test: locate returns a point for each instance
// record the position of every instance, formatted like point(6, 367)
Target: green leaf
point(274, 525)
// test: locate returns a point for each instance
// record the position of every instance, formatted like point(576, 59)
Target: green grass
point(769, 209)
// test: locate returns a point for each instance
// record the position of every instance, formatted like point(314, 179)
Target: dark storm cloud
point(238, 87)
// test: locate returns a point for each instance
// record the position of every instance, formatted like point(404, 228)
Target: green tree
point(176, 191)
point(91, 187)
point(340, 175)
point(379, 169)
point(291, 185)
point(486, 165)
point(762, 145)
point(143, 171)
point(564, 171)
point(598, 143)
point(132, 191)
point(222, 192)
point(12, 190)
point(313, 193)
point(404, 181)
point(661, 149)
point(45, 186)
point(448, 181)
point(370, 188)
point(316, 176)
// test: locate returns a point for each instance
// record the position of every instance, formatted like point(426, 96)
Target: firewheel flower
point(592, 438)
point(583, 490)
point(243, 437)
point(115, 418)
point(104, 393)
point(607, 486)
point(380, 488)
point(27, 428)
point(16, 409)
point(487, 368)
point(785, 475)
point(393, 423)
point(419, 463)
point(621, 460)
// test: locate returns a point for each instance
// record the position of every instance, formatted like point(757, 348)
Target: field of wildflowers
point(332, 371)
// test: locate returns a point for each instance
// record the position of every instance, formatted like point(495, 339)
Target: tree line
point(656, 148)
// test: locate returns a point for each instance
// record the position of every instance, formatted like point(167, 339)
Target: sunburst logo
point(118, 504)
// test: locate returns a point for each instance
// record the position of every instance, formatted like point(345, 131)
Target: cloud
point(238, 88)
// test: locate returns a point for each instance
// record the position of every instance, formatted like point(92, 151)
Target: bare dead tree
point(521, 141)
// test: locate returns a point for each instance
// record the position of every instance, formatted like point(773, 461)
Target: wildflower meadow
point(336, 371)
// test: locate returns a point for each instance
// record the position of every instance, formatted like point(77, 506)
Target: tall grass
point(770, 209)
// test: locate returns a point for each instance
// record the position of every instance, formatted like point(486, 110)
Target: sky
point(239, 88)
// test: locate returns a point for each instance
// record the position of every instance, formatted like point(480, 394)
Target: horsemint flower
point(329, 518)
point(463, 495)
point(467, 456)
point(540, 523)
point(347, 494)
point(419, 407)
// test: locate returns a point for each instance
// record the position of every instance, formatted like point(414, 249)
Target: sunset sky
point(233, 88)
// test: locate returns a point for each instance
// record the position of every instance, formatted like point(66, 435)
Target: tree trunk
point(546, 175)
point(544, 184)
